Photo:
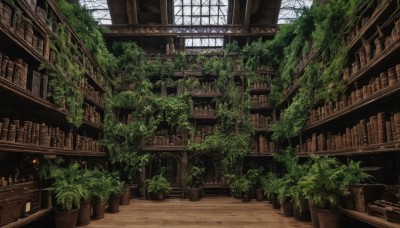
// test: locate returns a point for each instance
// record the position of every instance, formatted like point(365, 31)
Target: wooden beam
point(236, 12)
point(164, 12)
point(131, 8)
point(247, 13)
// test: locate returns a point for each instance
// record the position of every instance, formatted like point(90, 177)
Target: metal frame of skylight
point(201, 12)
point(99, 10)
point(291, 10)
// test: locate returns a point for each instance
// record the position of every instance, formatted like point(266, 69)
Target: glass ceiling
point(201, 12)
point(291, 9)
point(212, 12)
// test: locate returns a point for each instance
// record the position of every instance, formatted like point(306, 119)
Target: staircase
point(176, 192)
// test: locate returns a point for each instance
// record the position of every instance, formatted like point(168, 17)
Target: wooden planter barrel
point(302, 214)
point(194, 194)
point(329, 218)
point(125, 198)
point(84, 213)
point(66, 219)
point(98, 208)
point(113, 204)
point(287, 209)
point(274, 201)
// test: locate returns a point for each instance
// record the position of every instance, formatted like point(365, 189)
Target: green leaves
point(158, 184)
point(89, 31)
point(327, 179)
point(64, 78)
point(195, 179)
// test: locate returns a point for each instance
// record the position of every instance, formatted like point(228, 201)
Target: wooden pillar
point(184, 173)
point(236, 12)
point(247, 13)
point(131, 7)
point(164, 12)
point(143, 180)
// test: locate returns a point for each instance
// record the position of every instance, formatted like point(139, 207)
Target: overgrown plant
point(158, 184)
point(325, 185)
point(195, 178)
point(64, 77)
point(89, 31)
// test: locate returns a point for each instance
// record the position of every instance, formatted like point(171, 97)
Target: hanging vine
point(64, 76)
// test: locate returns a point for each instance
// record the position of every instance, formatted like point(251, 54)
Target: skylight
point(99, 10)
point(201, 12)
point(291, 10)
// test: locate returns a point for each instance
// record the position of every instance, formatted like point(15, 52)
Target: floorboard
point(208, 212)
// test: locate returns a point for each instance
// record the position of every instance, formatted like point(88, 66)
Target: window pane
point(205, 10)
point(187, 21)
point(205, 20)
point(196, 20)
point(196, 10)
point(187, 10)
point(178, 20)
point(178, 10)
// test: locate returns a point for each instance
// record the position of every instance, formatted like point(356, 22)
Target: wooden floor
point(208, 212)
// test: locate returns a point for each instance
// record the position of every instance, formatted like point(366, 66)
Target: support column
point(164, 12)
point(236, 12)
point(247, 13)
point(184, 173)
point(143, 180)
point(131, 8)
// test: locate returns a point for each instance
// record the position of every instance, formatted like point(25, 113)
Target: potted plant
point(99, 185)
point(288, 188)
point(158, 187)
point(116, 187)
point(46, 181)
point(195, 181)
point(271, 187)
point(68, 194)
point(244, 186)
point(255, 178)
point(83, 177)
point(285, 196)
point(325, 187)
point(301, 208)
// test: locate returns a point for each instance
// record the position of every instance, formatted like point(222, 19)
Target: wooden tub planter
point(194, 194)
point(113, 204)
point(99, 208)
point(302, 214)
point(84, 213)
point(259, 194)
point(273, 199)
point(287, 208)
point(66, 219)
point(125, 197)
point(328, 218)
point(246, 197)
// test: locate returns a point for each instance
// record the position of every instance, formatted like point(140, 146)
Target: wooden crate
point(365, 194)
point(10, 211)
point(32, 202)
point(10, 205)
